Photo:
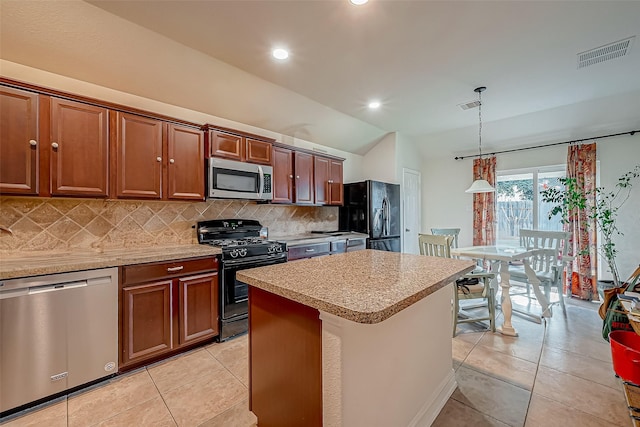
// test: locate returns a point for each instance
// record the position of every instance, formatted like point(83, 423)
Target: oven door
point(234, 294)
point(239, 180)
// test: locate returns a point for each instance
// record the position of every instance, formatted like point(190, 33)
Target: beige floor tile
point(237, 416)
point(205, 398)
point(578, 393)
point(502, 366)
point(544, 412)
point(116, 396)
point(184, 369)
point(490, 396)
point(593, 345)
point(461, 349)
point(50, 415)
point(520, 346)
point(240, 369)
point(456, 414)
point(581, 366)
point(470, 337)
point(152, 413)
point(228, 352)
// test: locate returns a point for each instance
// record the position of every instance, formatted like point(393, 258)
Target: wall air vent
point(605, 53)
point(469, 105)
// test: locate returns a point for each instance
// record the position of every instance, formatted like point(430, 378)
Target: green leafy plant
point(604, 209)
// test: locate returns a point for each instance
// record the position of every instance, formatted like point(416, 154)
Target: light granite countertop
point(366, 286)
point(23, 264)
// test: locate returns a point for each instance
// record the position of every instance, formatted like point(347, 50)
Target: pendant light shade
point(480, 185)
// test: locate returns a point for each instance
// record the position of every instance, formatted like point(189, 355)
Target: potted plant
point(604, 210)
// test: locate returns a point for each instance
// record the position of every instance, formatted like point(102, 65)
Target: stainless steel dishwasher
point(57, 332)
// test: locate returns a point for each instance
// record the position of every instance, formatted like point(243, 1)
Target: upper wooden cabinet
point(79, 149)
point(328, 181)
point(237, 147)
point(282, 175)
point(158, 160)
point(185, 167)
point(19, 140)
point(304, 189)
point(139, 157)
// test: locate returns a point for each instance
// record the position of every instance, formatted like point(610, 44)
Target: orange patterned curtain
point(484, 205)
point(581, 165)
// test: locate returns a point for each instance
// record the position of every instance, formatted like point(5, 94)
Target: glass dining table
point(499, 258)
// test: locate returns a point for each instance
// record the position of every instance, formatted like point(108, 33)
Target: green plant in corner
point(604, 210)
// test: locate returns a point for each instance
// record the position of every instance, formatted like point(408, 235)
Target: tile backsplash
point(43, 224)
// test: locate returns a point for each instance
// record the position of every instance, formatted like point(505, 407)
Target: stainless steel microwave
point(238, 180)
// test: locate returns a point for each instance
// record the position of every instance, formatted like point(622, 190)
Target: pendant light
point(480, 185)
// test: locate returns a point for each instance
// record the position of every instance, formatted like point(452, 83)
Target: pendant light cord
point(480, 121)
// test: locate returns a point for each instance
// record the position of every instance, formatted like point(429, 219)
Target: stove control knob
point(234, 253)
point(279, 248)
point(243, 252)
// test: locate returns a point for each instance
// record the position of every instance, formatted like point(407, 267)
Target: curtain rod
point(548, 145)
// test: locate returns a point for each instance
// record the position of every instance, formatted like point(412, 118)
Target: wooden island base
point(311, 368)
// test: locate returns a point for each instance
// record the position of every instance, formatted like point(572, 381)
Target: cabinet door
point(282, 175)
point(321, 179)
point(198, 307)
point(139, 157)
point(79, 149)
point(258, 152)
point(226, 145)
point(336, 187)
point(185, 169)
point(146, 324)
point(303, 167)
point(18, 141)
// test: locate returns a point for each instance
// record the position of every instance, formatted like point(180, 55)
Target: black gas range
point(242, 248)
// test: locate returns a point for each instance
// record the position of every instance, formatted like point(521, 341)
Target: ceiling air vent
point(604, 53)
point(469, 105)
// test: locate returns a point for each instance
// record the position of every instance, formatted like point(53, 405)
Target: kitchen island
point(354, 339)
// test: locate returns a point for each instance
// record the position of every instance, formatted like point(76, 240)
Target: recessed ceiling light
point(374, 104)
point(358, 2)
point(280, 53)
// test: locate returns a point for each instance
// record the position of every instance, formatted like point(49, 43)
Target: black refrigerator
point(373, 208)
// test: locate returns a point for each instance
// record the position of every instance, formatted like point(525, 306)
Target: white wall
point(445, 204)
point(379, 163)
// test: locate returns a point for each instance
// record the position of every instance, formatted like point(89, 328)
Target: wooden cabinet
point(282, 175)
point(328, 181)
point(185, 167)
point(79, 149)
point(165, 308)
point(304, 189)
point(19, 141)
point(238, 147)
point(157, 160)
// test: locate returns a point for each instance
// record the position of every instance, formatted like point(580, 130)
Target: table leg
point(505, 301)
point(535, 282)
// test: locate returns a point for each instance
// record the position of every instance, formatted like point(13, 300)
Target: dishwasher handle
point(57, 287)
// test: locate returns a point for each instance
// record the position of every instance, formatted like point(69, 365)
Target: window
point(518, 201)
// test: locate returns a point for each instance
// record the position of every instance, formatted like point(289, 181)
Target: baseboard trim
point(432, 407)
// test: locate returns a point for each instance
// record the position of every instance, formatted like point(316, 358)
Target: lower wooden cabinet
point(166, 307)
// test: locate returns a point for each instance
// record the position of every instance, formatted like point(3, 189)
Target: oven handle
point(260, 262)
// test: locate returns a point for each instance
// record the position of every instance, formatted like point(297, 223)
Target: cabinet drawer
point(338, 246)
point(158, 270)
point(308, 251)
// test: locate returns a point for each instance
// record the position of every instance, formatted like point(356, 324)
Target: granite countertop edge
point(17, 265)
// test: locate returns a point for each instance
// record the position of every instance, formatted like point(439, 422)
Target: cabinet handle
point(54, 144)
point(330, 181)
point(309, 250)
point(172, 269)
point(290, 176)
point(158, 159)
point(33, 142)
point(297, 176)
point(172, 161)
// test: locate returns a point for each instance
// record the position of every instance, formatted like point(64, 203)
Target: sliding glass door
point(518, 201)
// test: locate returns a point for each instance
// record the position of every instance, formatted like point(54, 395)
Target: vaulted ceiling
point(421, 59)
